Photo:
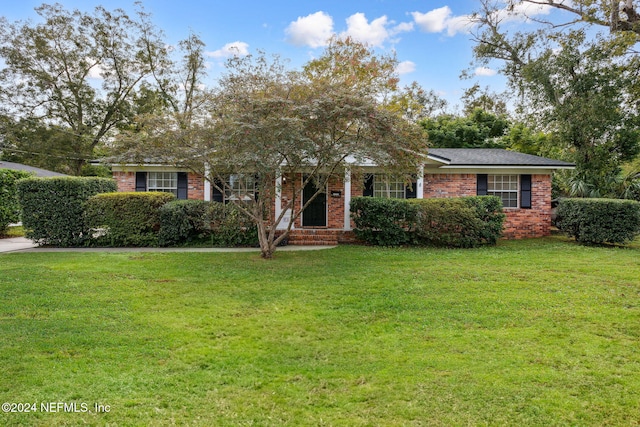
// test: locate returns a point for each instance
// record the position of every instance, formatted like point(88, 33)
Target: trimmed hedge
point(9, 206)
point(126, 219)
point(464, 222)
point(597, 221)
point(183, 221)
point(382, 221)
point(214, 223)
point(450, 222)
point(53, 208)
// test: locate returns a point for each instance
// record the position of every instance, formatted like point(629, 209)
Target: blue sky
point(430, 37)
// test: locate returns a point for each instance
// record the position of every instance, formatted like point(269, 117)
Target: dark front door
point(315, 215)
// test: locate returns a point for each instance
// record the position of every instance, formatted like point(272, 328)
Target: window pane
point(388, 187)
point(163, 181)
point(505, 187)
point(240, 187)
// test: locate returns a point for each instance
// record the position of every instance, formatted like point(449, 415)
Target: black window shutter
point(217, 194)
point(141, 181)
point(525, 191)
point(411, 192)
point(482, 185)
point(183, 185)
point(368, 185)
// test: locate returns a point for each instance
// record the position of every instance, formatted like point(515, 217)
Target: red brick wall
point(449, 185)
point(195, 186)
point(126, 180)
point(195, 183)
point(534, 222)
point(335, 205)
point(520, 223)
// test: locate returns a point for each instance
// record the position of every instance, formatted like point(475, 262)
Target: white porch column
point(347, 198)
point(278, 194)
point(207, 183)
point(286, 219)
point(420, 183)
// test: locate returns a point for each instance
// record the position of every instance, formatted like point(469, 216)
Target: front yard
point(538, 332)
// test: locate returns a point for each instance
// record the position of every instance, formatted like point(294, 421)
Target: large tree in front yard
point(266, 123)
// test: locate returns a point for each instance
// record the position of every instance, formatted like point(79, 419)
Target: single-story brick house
point(522, 181)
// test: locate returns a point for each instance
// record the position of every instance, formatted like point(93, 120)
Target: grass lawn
point(535, 332)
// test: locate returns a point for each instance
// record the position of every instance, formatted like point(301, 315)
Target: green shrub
point(450, 222)
point(213, 223)
point(599, 221)
point(381, 221)
point(9, 206)
point(126, 219)
point(183, 221)
point(463, 222)
point(53, 208)
point(230, 227)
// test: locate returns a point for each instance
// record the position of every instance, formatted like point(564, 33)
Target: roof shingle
point(492, 157)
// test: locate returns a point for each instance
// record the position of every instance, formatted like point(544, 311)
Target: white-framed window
point(388, 186)
point(240, 187)
point(505, 187)
point(163, 181)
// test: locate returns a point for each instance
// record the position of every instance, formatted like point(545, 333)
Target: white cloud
point(316, 29)
point(434, 21)
point(312, 30)
point(403, 27)
point(522, 12)
point(485, 72)
point(459, 24)
point(359, 28)
point(236, 48)
point(441, 19)
point(406, 67)
point(96, 72)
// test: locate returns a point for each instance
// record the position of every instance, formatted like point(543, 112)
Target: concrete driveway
point(13, 244)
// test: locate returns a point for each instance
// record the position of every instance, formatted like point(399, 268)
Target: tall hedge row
point(597, 221)
point(9, 205)
point(451, 222)
point(126, 219)
point(53, 208)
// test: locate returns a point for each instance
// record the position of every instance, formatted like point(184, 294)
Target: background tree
point(169, 110)
point(617, 15)
point(478, 130)
point(74, 72)
point(581, 90)
point(415, 103)
point(475, 98)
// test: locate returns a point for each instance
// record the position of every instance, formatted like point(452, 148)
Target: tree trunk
point(267, 248)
